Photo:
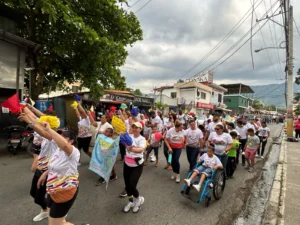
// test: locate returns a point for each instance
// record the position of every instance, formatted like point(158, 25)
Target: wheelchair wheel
point(219, 184)
point(207, 201)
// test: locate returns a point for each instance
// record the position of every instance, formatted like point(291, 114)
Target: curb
point(275, 206)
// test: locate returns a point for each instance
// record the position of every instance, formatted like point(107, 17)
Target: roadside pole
point(290, 77)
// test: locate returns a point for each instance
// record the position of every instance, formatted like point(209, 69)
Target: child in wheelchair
point(210, 163)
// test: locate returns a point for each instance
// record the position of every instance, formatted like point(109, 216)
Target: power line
point(133, 4)
point(143, 6)
point(221, 42)
point(296, 27)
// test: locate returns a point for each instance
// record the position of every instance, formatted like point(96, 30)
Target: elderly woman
point(222, 142)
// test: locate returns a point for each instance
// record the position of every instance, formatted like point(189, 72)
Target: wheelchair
point(215, 184)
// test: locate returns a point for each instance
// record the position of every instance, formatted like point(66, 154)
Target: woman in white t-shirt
point(263, 134)
point(100, 126)
point(174, 141)
point(84, 130)
point(194, 143)
point(61, 176)
point(243, 140)
point(222, 142)
point(133, 168)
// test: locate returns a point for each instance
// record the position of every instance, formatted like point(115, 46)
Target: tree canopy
point(80, 41)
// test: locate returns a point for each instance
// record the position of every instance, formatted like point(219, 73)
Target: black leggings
point(297, 133)
point(38, 194)
point(263, 146)
point(242, 146)
point(84, 143)
point(122, 150)
point(231, 166)
point(131, 178)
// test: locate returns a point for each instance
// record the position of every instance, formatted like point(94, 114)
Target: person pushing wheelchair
point(210, 162)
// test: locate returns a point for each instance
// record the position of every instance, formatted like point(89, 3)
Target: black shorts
point(150, 148)
point(59, 210)
point(84, 143)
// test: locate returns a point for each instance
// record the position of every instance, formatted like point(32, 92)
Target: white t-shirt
point(242, 131)
point(63, 170)
point(84, 128)
point(47, 150)
point(210, 161)
point(263, 131)
point(181, 118)
point(220, 141)
point(147, 132)
point(175, 138)
point(139, 142)
point(157, 121)
point(193, 136)
point(211, 126)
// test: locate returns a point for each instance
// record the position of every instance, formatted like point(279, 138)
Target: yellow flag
point(92, 109)
point(118, 125)
point(32, 102)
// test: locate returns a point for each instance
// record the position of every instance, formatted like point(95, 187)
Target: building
point(239, 98)
point(217, 97)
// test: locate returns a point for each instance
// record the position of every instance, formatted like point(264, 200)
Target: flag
point(13, 104)
point(32, 102)
point(104, 156)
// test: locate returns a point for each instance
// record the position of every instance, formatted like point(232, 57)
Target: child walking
point(231, 164)
point(210, 163)
point(251, 148)
point(154, 145)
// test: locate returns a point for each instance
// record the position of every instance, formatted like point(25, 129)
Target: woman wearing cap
point(40, 162)
point(133, 168)
point(84, 132)
point(62, 181)
point(222, 142)
point(174, 140)
point(194, 143)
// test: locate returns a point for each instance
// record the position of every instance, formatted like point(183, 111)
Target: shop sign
point(149, 101)
point(118, 98)
point(204, 105)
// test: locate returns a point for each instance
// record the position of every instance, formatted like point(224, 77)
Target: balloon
point(157, 136)
point(126, 139)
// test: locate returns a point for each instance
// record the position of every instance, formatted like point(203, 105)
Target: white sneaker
point(178, 178)
point(138, 203)
point(187, 182)
point(153, 158)
point(41, 216)
point(128, 207)
point(173, 176)
point(197, 187)
point(262, 157)
point(256, 155)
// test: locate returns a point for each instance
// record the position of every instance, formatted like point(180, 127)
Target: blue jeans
point(192, 155)
point(175, 159)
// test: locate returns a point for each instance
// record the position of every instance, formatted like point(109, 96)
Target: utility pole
point(290, 77)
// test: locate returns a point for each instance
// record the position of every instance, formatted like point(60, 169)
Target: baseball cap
point(137, 124)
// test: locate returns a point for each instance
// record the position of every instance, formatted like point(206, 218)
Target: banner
point(104, 156)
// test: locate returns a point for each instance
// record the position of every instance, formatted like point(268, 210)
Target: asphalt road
point(95, 205)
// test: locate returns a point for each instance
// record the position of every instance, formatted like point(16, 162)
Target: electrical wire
point(251, 51)
point(296, 27)
point(143, 6)
point(133, 4)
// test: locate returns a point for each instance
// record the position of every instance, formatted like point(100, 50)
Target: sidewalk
point(284, 203)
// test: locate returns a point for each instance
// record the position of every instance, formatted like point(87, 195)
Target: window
point(213, 93)
point(227, 100)
point(203, 95)
point(220, 98)
point(173, 94)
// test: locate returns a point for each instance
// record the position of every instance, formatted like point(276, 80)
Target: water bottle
point(170, 158)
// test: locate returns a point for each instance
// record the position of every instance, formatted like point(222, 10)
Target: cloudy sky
point(179, 33)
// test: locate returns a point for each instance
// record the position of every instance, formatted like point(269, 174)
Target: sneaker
point(100, 181)
point(262, 157)
point(128, 206)
point(173, 176)
point(112, 178)
point(251, 170)
point(123, 193)
point(41, 216)
point(153, 158)
point(138, 203)
point(178, 178)
point(256, 155)
point(187, 182)
point(197, 187)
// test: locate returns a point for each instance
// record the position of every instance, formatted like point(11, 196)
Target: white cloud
point(177, 34)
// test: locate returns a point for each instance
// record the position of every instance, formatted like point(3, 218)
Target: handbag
point(63, 195)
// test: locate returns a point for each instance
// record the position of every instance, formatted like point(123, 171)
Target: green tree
point(297, 97)
point(160, 105)
point(257, 104)
point(79, 41)
point(270, 107)
point(134, 92)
